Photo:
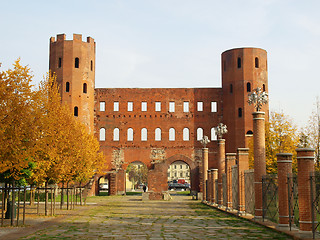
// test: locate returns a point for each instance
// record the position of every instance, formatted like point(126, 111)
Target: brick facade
point(132, 127)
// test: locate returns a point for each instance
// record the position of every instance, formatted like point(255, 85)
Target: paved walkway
point(128, 217)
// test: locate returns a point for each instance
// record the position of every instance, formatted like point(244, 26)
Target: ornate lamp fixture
point(220, 130)
point(258, 98)
point(204, 141)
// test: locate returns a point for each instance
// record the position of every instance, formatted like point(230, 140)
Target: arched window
point(116, 134)
point(186, 134)
point(76, 62)
point(239, 62)
point(84, 88)
point(231, 88)
point(264, 87)
point(199, 134)
point(75, 111)
point(213, 134)
point(91, 65)
point(172, 134)
point(130, 134)
point(144, 134)
point(240, 112)
point(67, 87)
point(248, 87)
point(102, 134)
point(256, 62)
point(157, 133)
point(249, 132)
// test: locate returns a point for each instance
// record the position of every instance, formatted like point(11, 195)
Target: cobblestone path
point(130, 218)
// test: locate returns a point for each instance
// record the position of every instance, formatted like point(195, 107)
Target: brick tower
point(73, 61)
point(243, 69)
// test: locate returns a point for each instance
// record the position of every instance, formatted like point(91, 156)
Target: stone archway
point(157, 177)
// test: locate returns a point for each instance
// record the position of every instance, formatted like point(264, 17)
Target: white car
point(103, 186)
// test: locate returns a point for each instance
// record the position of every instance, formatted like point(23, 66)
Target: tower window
point(239, 62)
point(158, 106)
point(239, 112)
point(102, 106)
point(60, 63)
point(84, 88)
point(67, 87)
point(158, 134)
point(213, 106)
point(144, 134)
point(200, 106)
point(231, 88)
point(143, 106)
point(172, 134)
point(199, 134)
point(130, 134)
point(91, 66)
point(264, 87)
point(256, 62)
point(116, 134)
point(102, 134)
point(130, 106)
point(186, 134)
point(171, 106)
point(75, 111)
point(185, 106)
point(76, 62)
point(248, 87)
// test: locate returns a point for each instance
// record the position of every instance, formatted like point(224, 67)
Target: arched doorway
point(179, 176)
point(136, 176)
point(103, 185)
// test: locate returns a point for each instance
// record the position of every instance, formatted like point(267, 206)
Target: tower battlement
point(76, 37)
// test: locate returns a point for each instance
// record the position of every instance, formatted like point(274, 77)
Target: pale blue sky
point(175, 43)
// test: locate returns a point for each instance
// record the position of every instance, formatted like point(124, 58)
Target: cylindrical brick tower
point(73, 62)
point(243, 69)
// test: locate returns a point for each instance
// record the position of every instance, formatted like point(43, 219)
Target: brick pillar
point(204, 171)
point(209, 183)
point(221, 167)
point(284, 161)
point(243, 164)
point(214, 190)
point(305, 157)
point(230, 161)
point(259, 160)
point(113, 183)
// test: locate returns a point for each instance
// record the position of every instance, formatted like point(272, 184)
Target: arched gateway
point(158, 125)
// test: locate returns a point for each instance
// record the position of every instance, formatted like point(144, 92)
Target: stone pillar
point(221, 167)
point(214, 190)
point(284, 161)
point(209, 187)
point(204, 171)
point(305, 157)
point(259, 159)
point(230, 161)
point(243, 164)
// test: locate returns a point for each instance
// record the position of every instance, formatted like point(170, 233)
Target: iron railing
point(270, 204)
point(293, 202)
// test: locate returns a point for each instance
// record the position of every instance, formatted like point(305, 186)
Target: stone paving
point(128, 217)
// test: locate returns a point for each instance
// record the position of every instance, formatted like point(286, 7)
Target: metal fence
point(19, 203)
point(315, 202)
point(293, 202)
point(249, 191)
point(270, 198)
point(224, 189)
point(235, 187)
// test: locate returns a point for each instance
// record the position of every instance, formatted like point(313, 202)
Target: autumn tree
point(137, 173)
point(17, 129)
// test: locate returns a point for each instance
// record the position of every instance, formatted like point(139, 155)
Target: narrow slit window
point(143, 106)
point(231, 88)
point(248, 87)
point(67, 87)
point(158, 106)
point(264, 87)
point(76, 62)
point(116, 106)
point(91, 65)
point(185, 106)
point(75, 111)
point(239, 62)
point(256, 62)
point(60, 62)
point(214, 107)
point(84, 88)
point(200, 106)
point(102, 106)
point(171, 107)
point(240, 112)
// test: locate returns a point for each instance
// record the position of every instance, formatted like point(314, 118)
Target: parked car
point(103, 186)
